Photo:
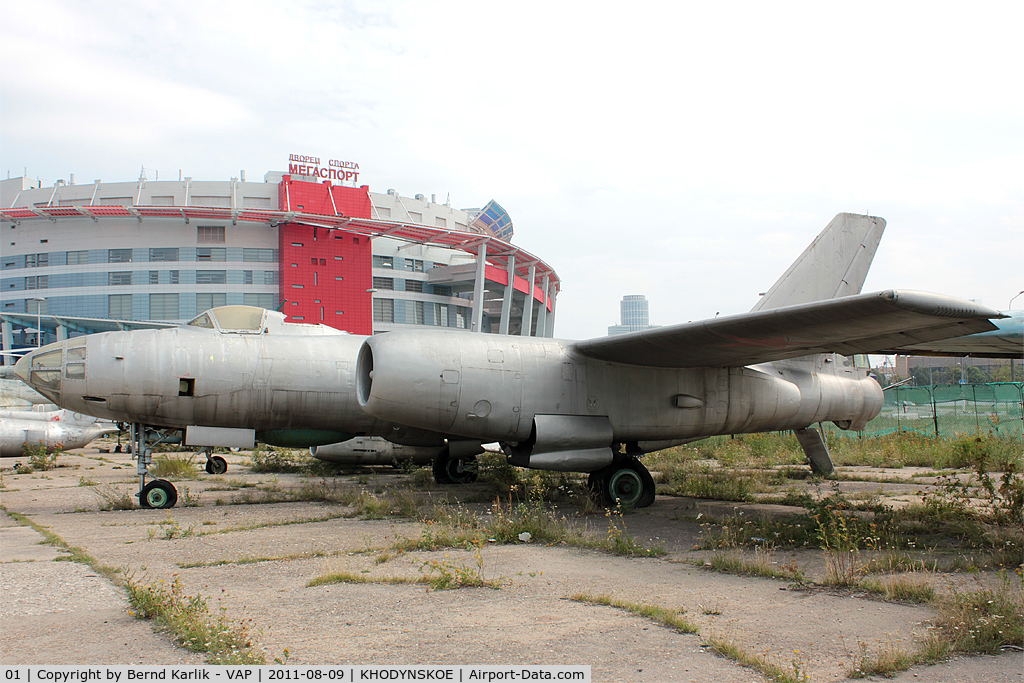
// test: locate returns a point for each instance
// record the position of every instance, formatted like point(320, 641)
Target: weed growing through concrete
point(671, 618)
point(176, 466)
point(189, 621)
point(114, 499)
point(352, 577)
point(38, 459)
point(448, 575)
point(762, 564)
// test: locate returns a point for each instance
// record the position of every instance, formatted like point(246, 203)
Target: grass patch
point(38, 459)
point(174, 467)
point(901, 588)
point(351, 577)
point(670, 618)
point(983, 621)
point(736, 562)
point(110, 498)
point(189, 621)
point(731, 650)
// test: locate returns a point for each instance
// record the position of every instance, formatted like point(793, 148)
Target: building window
point(37, 306)
point(382, 211)
point(76, 258)
point(37, 282)
point(416, 216)
point(163, 306)
point(461, 317)
point(163, 254)
point(384, 310)
point(417, 312)
point(211, 234)
point(413, 286)
point(174, 277)
point(441, 315)
point(414, 265)
point(246, 277)
point(383, 262)
point(441, 222)
point(37, 260)
point(206, 301)
point(154, 277)
point(260, 300)
point(119, 256)
point(211, 277)
point(211, 254)
point(442, 290)
point(383, 283)
point(120, 278)
point(270, 277)
point(119, 306)
point(259, 255)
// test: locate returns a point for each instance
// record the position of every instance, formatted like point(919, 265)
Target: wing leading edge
point(865, 323)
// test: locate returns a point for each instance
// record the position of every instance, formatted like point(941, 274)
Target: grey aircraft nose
point(41, 369)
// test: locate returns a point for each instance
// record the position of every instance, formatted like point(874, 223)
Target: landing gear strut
point(625, 482)
point(158, 493)
point(214, 463)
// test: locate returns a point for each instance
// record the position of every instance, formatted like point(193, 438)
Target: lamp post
point(1013, 363)
point(39, 319)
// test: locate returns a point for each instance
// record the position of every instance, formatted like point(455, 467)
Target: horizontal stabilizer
point(865, 323)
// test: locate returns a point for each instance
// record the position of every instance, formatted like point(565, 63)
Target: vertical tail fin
point(835, 264)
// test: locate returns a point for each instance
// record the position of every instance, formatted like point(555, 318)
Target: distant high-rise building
point(634, 315)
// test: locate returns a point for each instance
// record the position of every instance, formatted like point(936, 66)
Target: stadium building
point(80, 258)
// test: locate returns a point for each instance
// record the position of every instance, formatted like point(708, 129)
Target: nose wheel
point(214, 463)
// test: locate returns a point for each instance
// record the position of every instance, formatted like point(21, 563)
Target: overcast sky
point(686, 151)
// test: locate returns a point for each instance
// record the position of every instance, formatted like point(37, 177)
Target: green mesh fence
point(951, 409)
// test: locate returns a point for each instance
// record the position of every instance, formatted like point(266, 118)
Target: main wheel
point(159, 494)
point(449, 470)
point(216, 465)
point(627, 483)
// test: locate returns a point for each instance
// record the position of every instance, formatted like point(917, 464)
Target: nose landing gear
point(158, 493)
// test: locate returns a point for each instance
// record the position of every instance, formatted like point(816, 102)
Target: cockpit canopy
point(254, 320)
point(232, 319)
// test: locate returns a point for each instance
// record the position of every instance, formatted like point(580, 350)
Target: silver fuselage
point(54, 430)
point(494, 388)
point(295, 389)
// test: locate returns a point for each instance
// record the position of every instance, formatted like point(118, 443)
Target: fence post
point(935, 410)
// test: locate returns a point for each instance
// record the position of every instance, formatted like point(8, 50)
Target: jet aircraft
point(237, 374)
point(595, 406)
point(55, 430)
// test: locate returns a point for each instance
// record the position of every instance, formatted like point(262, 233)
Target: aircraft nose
point(41, 369)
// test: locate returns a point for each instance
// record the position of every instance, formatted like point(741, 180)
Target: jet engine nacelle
point(556, 409)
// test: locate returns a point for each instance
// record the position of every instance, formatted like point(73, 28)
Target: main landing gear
point(449, 470)
point(625, 482)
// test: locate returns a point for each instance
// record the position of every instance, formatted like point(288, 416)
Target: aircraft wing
point(865, 323)
point(1005, 342)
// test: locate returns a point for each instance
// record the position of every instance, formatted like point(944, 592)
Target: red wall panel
point(324, 274)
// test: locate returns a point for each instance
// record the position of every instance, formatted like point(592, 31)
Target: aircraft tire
point(158, 494)
point(216, 465)
point(453, 471)
point(627, 483)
